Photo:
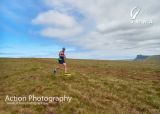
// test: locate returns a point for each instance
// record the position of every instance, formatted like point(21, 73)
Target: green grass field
point(96, 87)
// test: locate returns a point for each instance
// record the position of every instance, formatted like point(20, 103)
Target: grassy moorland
point(96, 87)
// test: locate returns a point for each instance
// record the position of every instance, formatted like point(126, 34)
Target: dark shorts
point(61, 60)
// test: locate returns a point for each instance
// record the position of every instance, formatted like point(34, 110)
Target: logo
point(134, 15)
point(134, 12)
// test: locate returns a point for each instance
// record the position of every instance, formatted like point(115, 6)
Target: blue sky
point(18, 34)
point(88, 29)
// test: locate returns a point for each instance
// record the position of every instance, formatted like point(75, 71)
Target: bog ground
point(96, 87)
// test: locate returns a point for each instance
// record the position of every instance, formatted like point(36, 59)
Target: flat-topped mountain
point(147, 58)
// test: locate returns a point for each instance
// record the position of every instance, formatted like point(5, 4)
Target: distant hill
point(141, 57)
point(147, 58)
point(153, 58)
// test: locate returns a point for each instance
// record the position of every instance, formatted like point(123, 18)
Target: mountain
point(147, 58)
point(141, 57)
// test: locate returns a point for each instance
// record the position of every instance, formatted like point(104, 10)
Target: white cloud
point(111, 32)
point(55, 18)
point(60, 33)
point(57, 24)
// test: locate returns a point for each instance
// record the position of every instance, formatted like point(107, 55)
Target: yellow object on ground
point(67, 74)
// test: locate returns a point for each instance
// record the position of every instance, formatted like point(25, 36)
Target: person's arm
point(64, 56)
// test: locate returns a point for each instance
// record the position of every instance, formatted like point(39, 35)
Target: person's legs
point(59, 67)
point(65, 67)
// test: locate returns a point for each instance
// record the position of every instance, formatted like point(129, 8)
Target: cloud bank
point(102, 28)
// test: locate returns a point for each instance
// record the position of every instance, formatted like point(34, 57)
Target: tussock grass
point(96, 87)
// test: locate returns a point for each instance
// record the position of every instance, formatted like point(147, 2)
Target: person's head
point(63, 49)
